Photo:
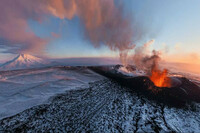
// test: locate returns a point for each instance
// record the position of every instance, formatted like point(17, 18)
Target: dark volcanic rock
point(103, 107)
point(106, 106)
point(178, 95)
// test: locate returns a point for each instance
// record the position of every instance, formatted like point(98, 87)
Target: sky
point(60, 33)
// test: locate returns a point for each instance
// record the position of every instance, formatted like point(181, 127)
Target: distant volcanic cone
point(23, 61)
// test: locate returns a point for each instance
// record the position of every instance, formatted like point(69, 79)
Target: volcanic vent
point(179, 92)
point(159, 77)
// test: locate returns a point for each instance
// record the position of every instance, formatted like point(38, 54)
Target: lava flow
point(159, 78)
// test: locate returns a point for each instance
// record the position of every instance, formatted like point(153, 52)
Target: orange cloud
point(191, 58)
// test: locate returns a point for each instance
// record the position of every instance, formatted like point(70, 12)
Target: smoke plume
point(104, 22)
point(140, 56)
point(149, 62)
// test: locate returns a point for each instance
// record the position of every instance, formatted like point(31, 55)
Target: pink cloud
point(103, 21)
point(14, 27)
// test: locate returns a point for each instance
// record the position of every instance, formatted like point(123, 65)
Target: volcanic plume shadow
point(176, 96)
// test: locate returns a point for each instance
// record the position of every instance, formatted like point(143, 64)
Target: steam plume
point(103, 20)
point(150, 64)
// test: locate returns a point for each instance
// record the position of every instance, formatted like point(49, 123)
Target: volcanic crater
point(180, 92)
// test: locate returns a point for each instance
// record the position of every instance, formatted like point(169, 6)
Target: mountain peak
point(23, 61)
point(27, 57)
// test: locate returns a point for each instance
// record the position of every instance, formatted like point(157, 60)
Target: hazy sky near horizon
point(173, 24)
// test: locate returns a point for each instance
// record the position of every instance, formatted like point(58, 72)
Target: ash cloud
point(145, 59)
point(104, 22)
point(141, 57)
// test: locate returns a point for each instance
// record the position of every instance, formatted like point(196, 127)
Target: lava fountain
point(159, 78)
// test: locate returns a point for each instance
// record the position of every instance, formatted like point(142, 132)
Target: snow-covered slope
point(76, 99)
point(103, 107)
point(22, 89)
point(23, 61)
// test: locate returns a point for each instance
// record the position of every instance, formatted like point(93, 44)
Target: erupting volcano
point(159, 78)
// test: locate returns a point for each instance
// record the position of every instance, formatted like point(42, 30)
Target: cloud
point(103, 21)
point(194, 56)
point(186, 57)
point(14, 26)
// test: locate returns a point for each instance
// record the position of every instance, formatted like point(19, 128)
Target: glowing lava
point(159, 78)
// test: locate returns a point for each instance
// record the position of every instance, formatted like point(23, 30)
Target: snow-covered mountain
point(23, 61)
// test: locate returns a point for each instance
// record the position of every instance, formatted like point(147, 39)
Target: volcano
point(23, 61)
point(180, 92)
point(77, 99)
